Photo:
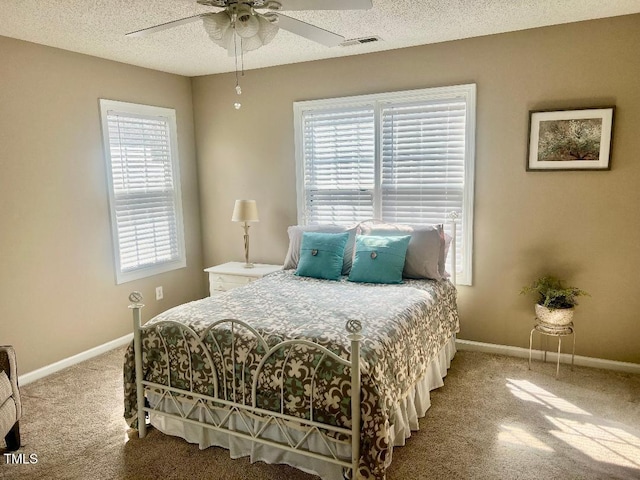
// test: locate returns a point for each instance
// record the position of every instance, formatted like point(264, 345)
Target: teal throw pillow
point(321, 255)
point(379, 259)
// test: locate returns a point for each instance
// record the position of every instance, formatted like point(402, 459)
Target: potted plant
point(556, 302)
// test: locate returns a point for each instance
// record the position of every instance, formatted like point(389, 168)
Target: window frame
point(168, 115)
point(465, 91)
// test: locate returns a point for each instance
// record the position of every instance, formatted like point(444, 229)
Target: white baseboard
point(551, 356)
point(67, 362)
point(460, 345)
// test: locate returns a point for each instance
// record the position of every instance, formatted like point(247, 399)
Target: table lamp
point(245, 211)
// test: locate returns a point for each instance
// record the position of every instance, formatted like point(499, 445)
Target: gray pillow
point(426, 253)
point(444, 254)
point(295, 240)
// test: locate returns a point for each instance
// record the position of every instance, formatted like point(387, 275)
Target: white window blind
point(339, 181)
point(144, 189)
point(404, 157)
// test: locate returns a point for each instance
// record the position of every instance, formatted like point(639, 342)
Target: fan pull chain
point(237, 105)
point(242, 57)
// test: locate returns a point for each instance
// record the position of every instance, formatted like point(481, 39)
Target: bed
point(327, 376)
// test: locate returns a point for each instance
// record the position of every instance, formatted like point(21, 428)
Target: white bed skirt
point(408, 411)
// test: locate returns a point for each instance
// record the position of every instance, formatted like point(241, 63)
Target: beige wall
point(58, 295)
point(57, 290)
point(580, 225)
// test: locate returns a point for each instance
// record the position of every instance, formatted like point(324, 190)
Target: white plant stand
point(553, 331)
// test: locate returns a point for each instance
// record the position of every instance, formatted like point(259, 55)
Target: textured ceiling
point(97, 27)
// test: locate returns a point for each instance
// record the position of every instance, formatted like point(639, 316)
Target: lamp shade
point(245, 211)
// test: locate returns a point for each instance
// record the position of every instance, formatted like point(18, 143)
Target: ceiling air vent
point(358, 41)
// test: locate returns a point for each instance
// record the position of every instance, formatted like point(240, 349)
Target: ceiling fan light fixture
point(252, 32)
point(216, 24)
point(247, 24)
point(268, 29)
point(229, 42)
point(251, 43)
point(246, 29)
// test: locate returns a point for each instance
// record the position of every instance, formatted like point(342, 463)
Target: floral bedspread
point(404, 326)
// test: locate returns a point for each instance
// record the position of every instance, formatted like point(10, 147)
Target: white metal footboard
point(219, 411)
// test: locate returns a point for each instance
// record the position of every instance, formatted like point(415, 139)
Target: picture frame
point(564, 140)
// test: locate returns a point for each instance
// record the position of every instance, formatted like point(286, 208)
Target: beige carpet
point(493, 419)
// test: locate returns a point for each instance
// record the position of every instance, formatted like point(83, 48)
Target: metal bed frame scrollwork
point(248, 412)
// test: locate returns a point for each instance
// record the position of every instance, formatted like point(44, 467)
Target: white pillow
point(426, 254)
point(295, 240)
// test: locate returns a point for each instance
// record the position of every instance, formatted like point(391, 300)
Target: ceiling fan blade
point(309, 31)
point(164, 26)
point(292, 5)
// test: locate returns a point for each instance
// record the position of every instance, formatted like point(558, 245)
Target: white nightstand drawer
point(222, 283)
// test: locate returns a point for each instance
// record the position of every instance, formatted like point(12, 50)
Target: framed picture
point(570, 139)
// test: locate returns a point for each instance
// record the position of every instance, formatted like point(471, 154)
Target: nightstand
point(233, 275)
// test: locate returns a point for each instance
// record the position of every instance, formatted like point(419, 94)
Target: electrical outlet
point(159, 293)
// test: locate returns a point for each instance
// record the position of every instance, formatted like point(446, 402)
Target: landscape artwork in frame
point(570, 139)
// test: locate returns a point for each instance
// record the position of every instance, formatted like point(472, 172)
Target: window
point(404, 157)
point(141, 153)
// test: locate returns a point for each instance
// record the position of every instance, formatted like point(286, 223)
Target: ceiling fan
point(244, 25)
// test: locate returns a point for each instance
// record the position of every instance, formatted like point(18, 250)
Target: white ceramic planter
point(557, 316)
